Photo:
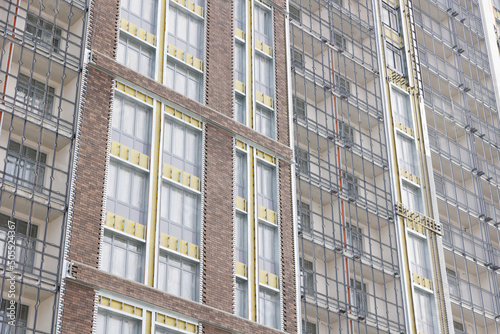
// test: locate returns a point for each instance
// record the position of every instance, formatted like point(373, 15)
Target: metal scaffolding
point(40, 71)
point(350, 273)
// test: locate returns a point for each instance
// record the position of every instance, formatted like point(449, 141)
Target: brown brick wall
point(103, 30)
point(78, 309)
point(281, 78)
point(100, 280)
point(218, 220)
point(219, 56)
point(85, 234)
point(287, 249)
point(215, 117)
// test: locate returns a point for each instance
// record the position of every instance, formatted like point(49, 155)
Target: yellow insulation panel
point(125, 225)
point(176, 323)
point(180, 246)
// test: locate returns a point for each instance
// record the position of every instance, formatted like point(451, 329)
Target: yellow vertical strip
point(148, 322)
point(155, 162)
point(249, 47)
point(251, 247)
point(161, 39)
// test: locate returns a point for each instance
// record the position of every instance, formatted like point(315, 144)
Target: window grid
point(266, 182)
point(111, 322)
point(127, 192)
point(142, 13)
point(268, 252)
point(394, 58)
point(241, 238)
point(268, 307)
point(131, 124)
point(178, 276)
point(26, 165)
point(21, 318)
point(36, 95)
point(25, 240)
point(136, 56)
point(43, 32)
point(185, 31)
point(241, 298)
point(184, 80)
point(263, 24)
point(182, 146)
point(122, 256)
point(263, 75)
point(179, 213)
point(308, 277)
point(241, 175)
point(390, 17)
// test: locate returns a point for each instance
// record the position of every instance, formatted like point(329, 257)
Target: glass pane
point(128, 118)
point(174, 280)
point(175, 202)
point(123, 185)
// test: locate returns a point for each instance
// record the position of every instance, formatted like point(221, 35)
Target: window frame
point(241, 303)
point(265, 296)
point(360, 300)
point(268, 256)
point(120, 132)
point(261, 114)
point(191, 76)
point(164, 254)
point(342, 85)
point(301, 112)
point(397, 97)
point(264, 198)
point(31, 89)
point(113, 195)
point(22, 165)
point(266, 22)
point(42, 29)
point(121, 315)
point(195, 48)
point(304, 210)
point(302, 158)
point(298, 61)
point(21, 321)
point(138, 18)
point(294, 12)
point(393, 53)
point(264, 74)
point(392, 15)
point(125, 43)
point(307, 277)
point(110, 233)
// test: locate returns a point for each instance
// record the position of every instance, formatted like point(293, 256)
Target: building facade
point(248, 166)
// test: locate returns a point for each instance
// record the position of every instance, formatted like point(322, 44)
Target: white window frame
point(194, 41)
point(403, 118)
point(145, 51)
point(263, 18)
point(268, 256)
point(137, 18)
point(265, 122)
point(191, 76)
point(124, 316)
point(392, 15)
point(163, 281)
point(265, 296)
point(395, 57)
point(264, 199)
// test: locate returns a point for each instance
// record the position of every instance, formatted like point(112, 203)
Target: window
point(43, 32)
point(180, 213)
point(25, 240)
point(459, 327)
point(182, 147)
point(452, 282)
point(131, 124)
point(358, 296)
point(177, 276)
point(263, 25)
point(185, 31)
point(267, 249)
point(263, 75)
point(408, 159)
point(264, 121)
point(297, 59)
point(304, 216)
point(308, 327)
point(114, 323)
point(21, 318)
point(184, 80)
point(346, 134)
point(26, 165)
point(241, 115)
point(496, 4)
point(142, 13)
point(350, 185)
point(307, 277)
point(241, 298)
point(239, 14)
point(241, 238)
point(135, 56)
point(302, 161)
point(239, 62)
point(294, 12)
point(241, 175)
point(342, 86)
point(354, 238)
point(390, 17)
point(411, 197)
point(122, 256)
point(36, 95)
point(418, 255)
point(339, 41)
point(127, 192)
point(424, 312)
point(268, 308)
point(265, 186)
point(401, 108)
point(394, 58)
point(299, 107)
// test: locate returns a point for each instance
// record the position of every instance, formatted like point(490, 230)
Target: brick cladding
point(85, 234)
point(287, 249)
point(218, 215)
point(100, 280)
point(219, 63)
point(218, 220)
point(78, 308)
point(282, 120)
